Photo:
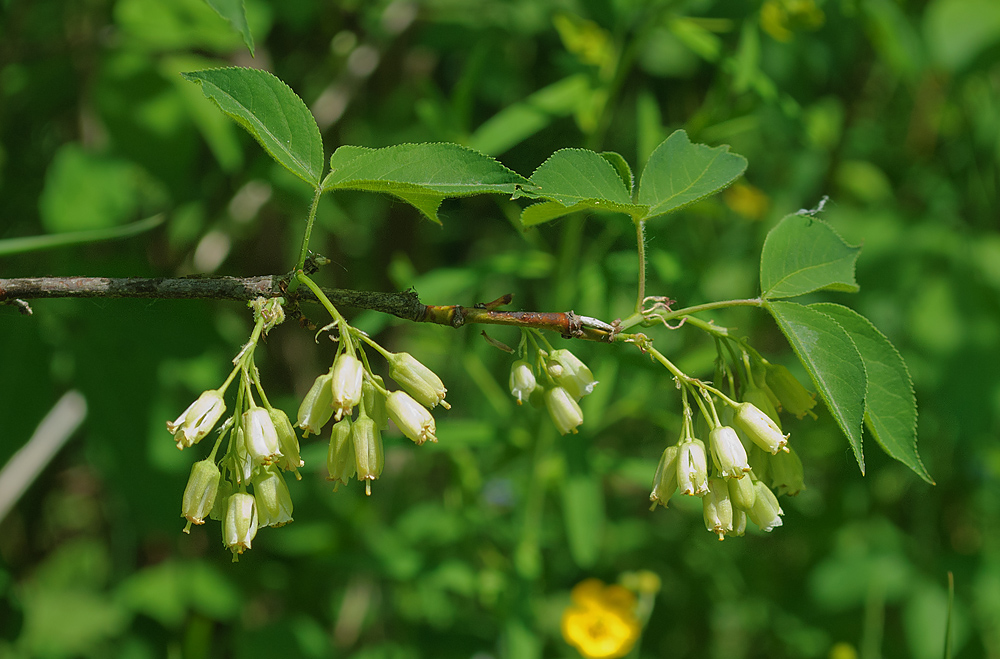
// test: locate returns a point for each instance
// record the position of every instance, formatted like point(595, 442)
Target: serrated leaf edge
point(517, 184)
point(909, 381)
point(242, 121)
point(859, 451)
point(850, 288)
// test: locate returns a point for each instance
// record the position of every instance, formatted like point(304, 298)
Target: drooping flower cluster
point(556, 379)
point(356, 443)
point(262, 444)
point(245, 488)
point(749, 457)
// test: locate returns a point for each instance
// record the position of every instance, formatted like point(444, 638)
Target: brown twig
point(405, 305)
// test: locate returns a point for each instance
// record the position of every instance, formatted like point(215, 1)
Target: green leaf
point(420, 174)
point(271, 112)
point(890, 407)
point(833, 362)
point(577, 179)
point(234, 12)
point(803, 254)
point(679, 173)
point(621, 166)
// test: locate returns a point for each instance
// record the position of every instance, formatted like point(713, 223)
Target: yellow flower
point(600, 623)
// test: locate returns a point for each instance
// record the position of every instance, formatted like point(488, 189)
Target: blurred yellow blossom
point(600, 622)
point(782, 18)
point(746, 200)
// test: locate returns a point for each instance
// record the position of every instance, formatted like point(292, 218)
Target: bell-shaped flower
point(368, 452)
point(766, 511)
point(786, 473)
point(522, 381)
point(261, 436)
point(665, 478)
point(718, 508)
point(563, 409)
point(373, 401)
point(795, 398)
point(317, 407)
point(760, 428)
point(288, 442)
point(570, 373)
point(340, 462)
point(742, 492)
point(200, 492)
point(198, 419)
point(240, 525)
point(412, 418)
point(423, 384)
point(348, 376)
point(270, 492)
point(692, 468)
point(728, 454)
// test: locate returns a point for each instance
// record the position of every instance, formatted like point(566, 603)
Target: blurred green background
point(469, 548)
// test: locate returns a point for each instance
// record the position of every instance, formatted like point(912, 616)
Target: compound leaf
point(271, 112)
point(422, 175)
point(890, 406)
point(803, 254)
point(833, 362)
point(578, 179)
point(679, 173)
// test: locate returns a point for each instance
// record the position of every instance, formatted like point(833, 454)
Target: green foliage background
point(469, 547)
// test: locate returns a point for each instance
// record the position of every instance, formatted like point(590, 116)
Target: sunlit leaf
point(577, 179)
point(679, 173)
point(420, 174)
point(890, 406)
point(270, 111)
point(803, 254)
point(833, 362)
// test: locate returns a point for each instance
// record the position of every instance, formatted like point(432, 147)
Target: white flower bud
point(692, 468)
point(199, 494)
point(522, 380)
point(261, 436)
point(759, 427)
point(412, 418)
point(728, 454)
point(420, 382)
point(571, 373)
point(665, 478)
point(240, 526)
point(198, 419)
point(270, 492)
point(563, 409)
point(765, 512)
point(348, 375)
point(717, 508)
point(317, 407)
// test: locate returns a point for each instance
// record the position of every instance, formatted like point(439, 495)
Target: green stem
point(708, 306)
point(304, 250)
point(641, 247)
point(342, 326)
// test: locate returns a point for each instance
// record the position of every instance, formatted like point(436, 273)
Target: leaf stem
point(641, 248)
point(304, 250)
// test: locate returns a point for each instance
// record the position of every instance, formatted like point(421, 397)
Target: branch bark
point(405, 305)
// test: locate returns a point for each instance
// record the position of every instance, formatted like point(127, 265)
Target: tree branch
point(405, 305)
